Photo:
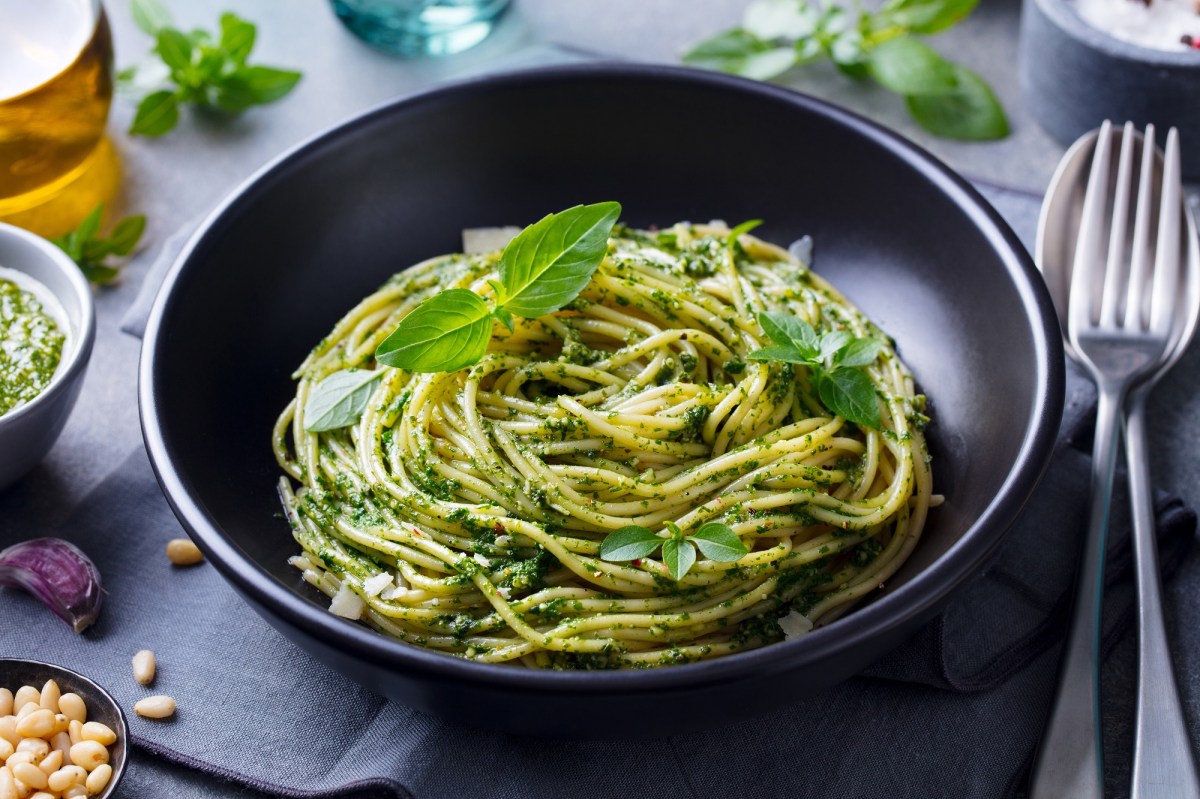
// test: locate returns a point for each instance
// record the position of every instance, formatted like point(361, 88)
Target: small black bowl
point(101, 707)
point(910, 242)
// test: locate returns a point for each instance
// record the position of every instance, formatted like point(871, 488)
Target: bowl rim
point(123, 722)
point(915, 599)
point(1064, 15)
point(81, 350)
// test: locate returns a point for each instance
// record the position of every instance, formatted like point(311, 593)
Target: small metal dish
point(1075, 76)
point(101, 707)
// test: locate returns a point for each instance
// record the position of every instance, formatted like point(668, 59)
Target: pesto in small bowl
point(31, 342)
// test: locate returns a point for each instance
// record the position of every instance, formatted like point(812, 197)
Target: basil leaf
point(237, 37)
point(548, 263)
point(678, 557)
point(781, 19)
point(445, 333)
point(98, 274)
point(90, 225)
point(969, 112)
point(339, 400)
point(831, 343)
point(906, 65)
point(740, 52)
point(255, 85)
point(157, 113)
point(126, 234)
point(719, 543)
point(149, 16)
point(859, 352)
point(738, 230)
point(791, 332)
point(924, 16)
point(175, 49)
point(850, 394)
point(629, 543)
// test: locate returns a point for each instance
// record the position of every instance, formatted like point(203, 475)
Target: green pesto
point(31, 346)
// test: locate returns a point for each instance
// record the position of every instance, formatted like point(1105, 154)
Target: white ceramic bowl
point(28, 432)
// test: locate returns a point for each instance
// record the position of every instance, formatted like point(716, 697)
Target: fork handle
point(1068, 763)
point(1163, 763)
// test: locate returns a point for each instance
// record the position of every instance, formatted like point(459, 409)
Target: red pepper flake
point(499, 528)
point(418, 532)
point(1191, 41)
point(636, 562)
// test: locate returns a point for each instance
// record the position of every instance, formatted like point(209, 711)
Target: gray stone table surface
point(176, 179)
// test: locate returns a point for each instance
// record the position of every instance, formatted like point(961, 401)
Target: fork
point(1121, 334)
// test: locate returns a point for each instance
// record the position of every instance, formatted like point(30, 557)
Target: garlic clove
point(59, 575)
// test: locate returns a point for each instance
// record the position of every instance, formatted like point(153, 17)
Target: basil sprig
point(86, 247)
point(946, 99)
point(834, 359)
point(542, 269)
point(339, 399)
point(714, 540)
point(198, 67)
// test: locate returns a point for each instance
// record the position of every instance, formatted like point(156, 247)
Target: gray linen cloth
point(954, 712)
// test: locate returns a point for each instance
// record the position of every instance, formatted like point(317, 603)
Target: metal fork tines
point(1121, 324)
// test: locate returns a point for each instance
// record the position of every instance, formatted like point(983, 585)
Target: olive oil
point(55, 91)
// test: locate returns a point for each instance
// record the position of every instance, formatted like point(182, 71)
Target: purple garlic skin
point(59, 575)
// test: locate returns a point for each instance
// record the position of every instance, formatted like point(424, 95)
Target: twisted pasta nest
point(464, 511)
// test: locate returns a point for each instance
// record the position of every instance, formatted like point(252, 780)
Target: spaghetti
point(464, 511)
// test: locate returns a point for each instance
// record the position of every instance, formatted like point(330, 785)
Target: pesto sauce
point(31, 346)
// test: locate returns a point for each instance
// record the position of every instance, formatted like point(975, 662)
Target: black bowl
point(911, 243)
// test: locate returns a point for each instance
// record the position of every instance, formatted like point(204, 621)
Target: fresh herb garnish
point(835, 360)
point(946, 99)
point(91, 251)
point(542, 269)
point(339, 399)
point(715, 541)
point(200, 68)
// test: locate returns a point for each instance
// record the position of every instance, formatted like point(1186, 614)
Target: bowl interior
point(26, 254)
point(900, 236)
point(101, 707)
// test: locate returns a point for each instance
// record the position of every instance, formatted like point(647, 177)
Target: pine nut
point(61, 742)
point(75, 792)
point(36, 747)
point(25, 694)
point(51, 762)
point(144, 667)
point(182, 552)
point(100, 733)
point(8, 730)
point(21, 757)
point(99, 778)
point(75, 732)
point(89, 754)
point(38, 724)
point(6, 702)
point(27, 709)
point(31, 775)
point(73, 707)
point(6, 749)
point(8, 786)
point(42, 795)
point(65, 777)
point(155, 707)
point(49, 696)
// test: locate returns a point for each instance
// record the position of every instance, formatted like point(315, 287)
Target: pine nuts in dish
point(47, 749)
